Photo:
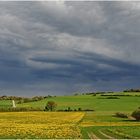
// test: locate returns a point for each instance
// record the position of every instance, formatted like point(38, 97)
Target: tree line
point(20, 100)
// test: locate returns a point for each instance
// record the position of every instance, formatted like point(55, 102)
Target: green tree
point(50, 106)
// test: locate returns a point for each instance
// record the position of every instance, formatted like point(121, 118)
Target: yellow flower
point(40, 124)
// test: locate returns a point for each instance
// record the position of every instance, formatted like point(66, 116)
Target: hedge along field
point(98, 103)
point(40, 125)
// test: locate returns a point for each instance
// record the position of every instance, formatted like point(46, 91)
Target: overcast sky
point(67, 47)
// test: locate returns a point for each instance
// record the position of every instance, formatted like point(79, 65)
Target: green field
point(5, 103)
point(100, 123)
point(125, 103)
point(103, 123)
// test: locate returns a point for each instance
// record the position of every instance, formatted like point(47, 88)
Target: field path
point(92, 136)
point(107, 136)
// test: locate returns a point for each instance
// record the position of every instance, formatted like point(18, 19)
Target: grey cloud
point(50, 47)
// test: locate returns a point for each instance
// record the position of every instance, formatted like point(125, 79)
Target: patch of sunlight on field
point(40, 124)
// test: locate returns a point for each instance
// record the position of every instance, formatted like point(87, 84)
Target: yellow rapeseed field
point(40, 124)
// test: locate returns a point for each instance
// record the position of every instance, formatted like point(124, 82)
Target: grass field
point(112, 132)
point(100, 123)
point(104, 123)
point(91, 102)
point(5, 103)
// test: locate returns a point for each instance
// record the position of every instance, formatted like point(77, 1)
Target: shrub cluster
point(137, 95)
point(70, 110)
point(91, 93)
point(111, 97)
point(136, 114)
point(116, 95)
point(33, 99)
point(20, 100)
point(26, 100)
point(132, 90)
point(95, 93)
point(121, 115)
point(4, 97)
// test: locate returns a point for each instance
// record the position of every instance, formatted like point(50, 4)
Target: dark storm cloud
point(91, 66)
point(64, 47)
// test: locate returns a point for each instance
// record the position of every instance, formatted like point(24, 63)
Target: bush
point(88, 110)
point(60, 110)
point(136, 114)
point(79, 109)
point(112, 97)
point(132, 90)
point(76, 94)
point(69, 109)
point(121, 115)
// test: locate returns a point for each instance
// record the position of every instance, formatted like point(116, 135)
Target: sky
point(61, 47)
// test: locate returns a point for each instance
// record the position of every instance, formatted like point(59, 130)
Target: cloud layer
point(66, 47)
